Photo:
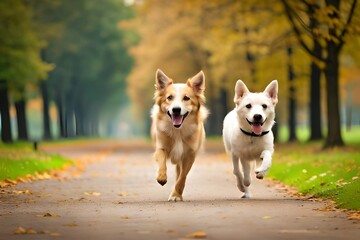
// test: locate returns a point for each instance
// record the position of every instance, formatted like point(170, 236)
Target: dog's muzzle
point(176, 118)
point(256, 125)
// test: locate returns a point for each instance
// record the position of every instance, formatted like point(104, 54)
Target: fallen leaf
point(4, 184)
point(47, 215)
point(198, 234)
point(123, 194)
point(354, 178)
point(124, 217)
point(354, 216)
point(55, 234)
point(71, 225)
point(267, 217)
point(6, 180)
point(28, 192)
point(21, 230)
point(92, 193)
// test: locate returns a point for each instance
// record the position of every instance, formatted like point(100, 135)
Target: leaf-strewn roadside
point(332, 174)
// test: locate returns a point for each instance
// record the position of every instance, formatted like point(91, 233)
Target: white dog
point(247, 132)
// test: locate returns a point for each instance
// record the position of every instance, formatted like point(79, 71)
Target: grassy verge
point(18, 160)
point(331, 174)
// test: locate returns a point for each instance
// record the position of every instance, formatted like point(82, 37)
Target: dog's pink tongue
point(256, 128)
point(177, 120)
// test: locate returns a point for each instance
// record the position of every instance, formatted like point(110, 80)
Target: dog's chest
point(248, 147)
point(177, 151)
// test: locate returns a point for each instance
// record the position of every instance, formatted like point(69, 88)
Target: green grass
point(19, 159)
point(331, 174)
point(303, 134)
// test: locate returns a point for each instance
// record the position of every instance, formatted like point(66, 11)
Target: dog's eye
point(170, 97)
point(248, 105)
point(264, 106)
point(186, 98)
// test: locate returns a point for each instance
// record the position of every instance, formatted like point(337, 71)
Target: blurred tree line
point(297, 42)
point(73, 52)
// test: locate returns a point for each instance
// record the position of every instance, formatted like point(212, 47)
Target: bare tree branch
point(288, 11)
point(348, 21)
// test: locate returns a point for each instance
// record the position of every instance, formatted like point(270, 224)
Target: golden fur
point(177, 126)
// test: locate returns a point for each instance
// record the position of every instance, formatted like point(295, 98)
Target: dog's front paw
point(175, 197)
point(161, 179)
point(241, 186)
point(246, 195)
point(260, 174)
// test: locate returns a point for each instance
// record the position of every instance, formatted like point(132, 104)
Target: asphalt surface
point(115, 196)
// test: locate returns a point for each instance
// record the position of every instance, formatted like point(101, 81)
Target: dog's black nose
point(257, 118)
point(176, 110)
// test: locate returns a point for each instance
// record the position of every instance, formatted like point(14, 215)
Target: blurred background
point(86, 68)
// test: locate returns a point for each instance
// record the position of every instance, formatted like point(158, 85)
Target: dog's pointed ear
point(197, 82)
point(240, 91)
point(272, 91)
point(161, 80)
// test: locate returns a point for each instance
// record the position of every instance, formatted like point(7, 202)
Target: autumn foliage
point(230, 40)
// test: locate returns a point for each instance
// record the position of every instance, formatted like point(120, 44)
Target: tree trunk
point(332, 88)
point(46, 115)
point(292, 100)
point(61, 117)
point(333, 48)
point(5, 114)
point(20, 107)
point(70, 119)
point(315, 97)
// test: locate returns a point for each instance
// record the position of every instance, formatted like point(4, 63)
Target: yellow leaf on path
point(55, 234)
point(10, 181)
point(123, 194)
point(28, 192)
point(71, 225)
point(267, 217)
point(21, 230)
point(4, 184)
point(47, 215)
point(124, 217)
point(354, 216)
point(92, 193)
point(198, 234)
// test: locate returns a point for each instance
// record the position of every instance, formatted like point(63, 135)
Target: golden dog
point(177, 126)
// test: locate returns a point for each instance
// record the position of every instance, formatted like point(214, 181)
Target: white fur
point(246, 148)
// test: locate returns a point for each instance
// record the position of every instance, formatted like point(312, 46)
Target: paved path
point(117, 197)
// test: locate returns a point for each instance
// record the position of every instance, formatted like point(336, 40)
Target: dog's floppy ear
point(197, 82)
point(272, 91)
point(240, 91)
point(161, 80)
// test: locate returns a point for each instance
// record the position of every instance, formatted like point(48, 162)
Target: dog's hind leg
point(182, 170)
point(265, 164)
point(160, 157)
point(237, 173)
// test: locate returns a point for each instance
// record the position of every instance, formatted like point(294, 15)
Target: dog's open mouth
point(177, 119)
point(256, 127)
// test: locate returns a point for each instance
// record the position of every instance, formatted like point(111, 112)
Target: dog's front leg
point(261, 171)
point(183, 169)
point(160, 157)
point(237, 173)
